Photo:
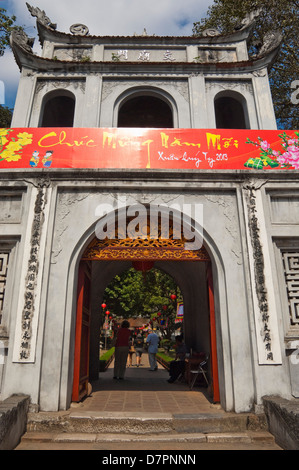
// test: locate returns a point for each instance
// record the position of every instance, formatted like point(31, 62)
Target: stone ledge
point(13, 419)
point(283, 419)
point(228, 437)
point(129, 415)
point(246, 437)
point(97, 422)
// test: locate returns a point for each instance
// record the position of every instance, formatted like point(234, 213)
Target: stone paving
point(146, 391)
point(143, 396)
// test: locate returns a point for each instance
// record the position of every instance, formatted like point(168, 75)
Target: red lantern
point(173, 297)
point(143, 265)
point(104, 305)
point(164, 307)
point(107, 313)
point(159, 314)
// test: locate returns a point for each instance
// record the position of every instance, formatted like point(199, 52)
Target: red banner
point(140, 148)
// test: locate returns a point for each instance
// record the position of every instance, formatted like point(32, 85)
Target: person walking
point(121, 350)
point(131, 352)
point(153, 342)
point(138, 343)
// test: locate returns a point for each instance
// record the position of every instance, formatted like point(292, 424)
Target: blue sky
point(103, 17)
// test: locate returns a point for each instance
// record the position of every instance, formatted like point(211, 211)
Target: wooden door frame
point(80, 383)
point(213, 336)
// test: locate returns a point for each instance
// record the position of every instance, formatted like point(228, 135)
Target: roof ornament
point(79, 29)
point(211, 32)
point(144, 33)
point(271, 41)
point(41, 16)
point(19, 37)
point(249, 19)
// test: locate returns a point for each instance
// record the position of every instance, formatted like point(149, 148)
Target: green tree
point(5, 116)
point(282, 15)
point(7, 24)
point(134, 293)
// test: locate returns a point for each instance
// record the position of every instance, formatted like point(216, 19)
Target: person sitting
point(177, 366)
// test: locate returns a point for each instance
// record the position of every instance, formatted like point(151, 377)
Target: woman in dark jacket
point(121, 350)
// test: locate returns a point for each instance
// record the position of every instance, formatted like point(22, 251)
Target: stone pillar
point(91, 109)
point(264, 306)
point(24, 100)
point(198, 105)
point(22, 372)
point(262, 93)
point(32, 274)
point(292, 348)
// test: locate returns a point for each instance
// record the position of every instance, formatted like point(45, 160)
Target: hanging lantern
point(104, 305)
point(164, 307)
point(159, 314)
point(173, 297)
point(143, 265)
point(107, 313)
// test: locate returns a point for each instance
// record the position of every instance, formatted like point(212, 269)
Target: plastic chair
point(198, 371)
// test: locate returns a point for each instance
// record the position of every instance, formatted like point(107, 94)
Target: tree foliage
point(282, 15)
point(7, 24)
point(133, 293)
point(5, 116)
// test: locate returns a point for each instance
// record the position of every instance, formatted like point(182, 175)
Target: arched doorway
point(168, 254)
point(231, 111)
point(58, 109)
point(145, 111)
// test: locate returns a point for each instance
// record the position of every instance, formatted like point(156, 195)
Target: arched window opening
point(59, 112)
point(145, 111)
point(229, 113)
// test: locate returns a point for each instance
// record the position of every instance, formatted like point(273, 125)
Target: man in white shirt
point(153, 342)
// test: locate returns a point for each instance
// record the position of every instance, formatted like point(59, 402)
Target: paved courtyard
point(146, 391)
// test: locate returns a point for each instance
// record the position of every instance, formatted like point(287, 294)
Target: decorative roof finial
point(79, 29)
point(41, 16)
point(211, 32)
point(20, 37)
point(249, 19)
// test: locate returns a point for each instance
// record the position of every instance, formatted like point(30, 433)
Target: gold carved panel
point(143, 249)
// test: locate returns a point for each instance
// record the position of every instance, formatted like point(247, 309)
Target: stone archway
point(165, 252)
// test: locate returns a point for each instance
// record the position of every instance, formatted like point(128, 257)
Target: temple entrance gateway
point(103, 259)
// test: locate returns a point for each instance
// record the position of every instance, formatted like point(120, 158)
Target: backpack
point(139, 342)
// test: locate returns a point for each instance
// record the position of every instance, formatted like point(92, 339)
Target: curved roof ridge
point(45, 32)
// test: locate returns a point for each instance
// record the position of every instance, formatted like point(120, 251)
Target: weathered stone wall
point(242, 233)
point(283, 420)
point(13, 420)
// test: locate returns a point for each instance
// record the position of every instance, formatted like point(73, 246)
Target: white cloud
point(9, 75)
point(104, 17)
point(119, 17)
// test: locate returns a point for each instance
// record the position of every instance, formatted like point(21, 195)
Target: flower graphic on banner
point(11, 150)
point(287, 157)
